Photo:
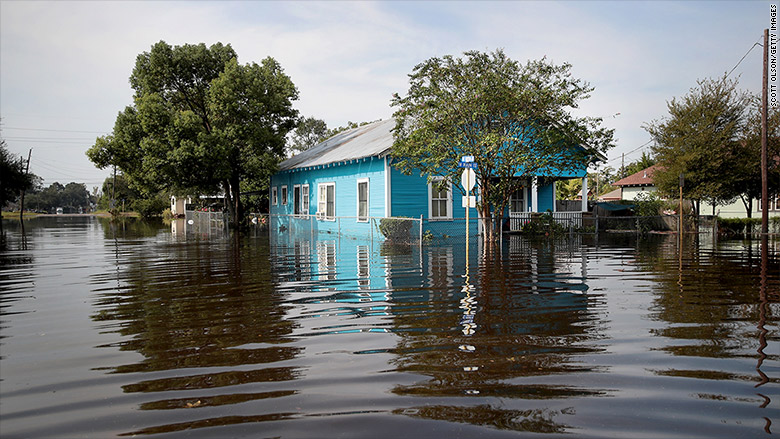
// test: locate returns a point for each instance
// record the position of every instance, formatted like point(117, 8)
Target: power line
point(744, 56)
point(55, 131)
point(632, 151)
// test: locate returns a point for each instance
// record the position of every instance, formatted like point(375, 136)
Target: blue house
point(346, 182)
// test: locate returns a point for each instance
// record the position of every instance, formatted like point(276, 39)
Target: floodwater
point(113, 330)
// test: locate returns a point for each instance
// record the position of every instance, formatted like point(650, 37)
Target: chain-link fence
point(205, 222)
point(396, 229)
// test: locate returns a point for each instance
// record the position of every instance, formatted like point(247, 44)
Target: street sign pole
point(468, 179)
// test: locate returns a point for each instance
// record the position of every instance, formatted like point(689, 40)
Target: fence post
point(421, 233)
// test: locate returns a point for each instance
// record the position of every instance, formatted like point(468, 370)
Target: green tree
point(744, 182)
point(309, 132)
point(71, 196)
point(200, 123)
point(699, 139)
point(13, 178)
point(514, 119)
point(643, 162)
point(350, 125)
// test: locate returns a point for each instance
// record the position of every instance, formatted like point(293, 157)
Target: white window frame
point(305, 199)
point(284, 195)
point(368, 198)
point(524, 200)
point(274, 196)
point(436, 180)
point(322, 210)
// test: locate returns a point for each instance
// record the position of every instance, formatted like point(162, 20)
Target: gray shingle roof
point(368, 140)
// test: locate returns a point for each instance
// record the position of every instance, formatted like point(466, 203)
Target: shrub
point(739, 226)
point(648, 207)
point(395, 229)
point(151, 207)
point(543, 225)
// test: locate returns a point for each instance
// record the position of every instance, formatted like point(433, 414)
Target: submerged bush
point(395, 229)
point(543, 225)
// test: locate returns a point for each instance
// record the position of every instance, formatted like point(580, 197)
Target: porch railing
point(519, 219)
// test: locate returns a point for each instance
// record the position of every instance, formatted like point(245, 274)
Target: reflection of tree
point(531, 319)
point(533, 420)
point(711, 301)
point(193, 306)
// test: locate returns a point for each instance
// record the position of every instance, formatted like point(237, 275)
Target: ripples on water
point(121, 330)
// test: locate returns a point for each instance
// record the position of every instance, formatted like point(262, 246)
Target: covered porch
point(525, 204)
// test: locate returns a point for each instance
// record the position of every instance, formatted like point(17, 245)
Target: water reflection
point(205, 308)
point(316, 335)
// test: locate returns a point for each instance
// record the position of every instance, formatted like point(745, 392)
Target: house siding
point(345, 178)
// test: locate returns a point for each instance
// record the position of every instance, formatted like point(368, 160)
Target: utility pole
point(21, 195)
point(623, 165)
point(764, 177)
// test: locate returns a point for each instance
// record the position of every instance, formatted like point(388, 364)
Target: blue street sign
point(472, 165)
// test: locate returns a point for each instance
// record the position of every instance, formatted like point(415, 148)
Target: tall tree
point(514, 119)
point(309, 132)
point(699, 139)
point(744, 179)
point(200, 122)
point(13, 177)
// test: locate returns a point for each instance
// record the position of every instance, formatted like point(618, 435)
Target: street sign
point(468, 179)
point(469, 165)
point(467, 159)
point(471, 200)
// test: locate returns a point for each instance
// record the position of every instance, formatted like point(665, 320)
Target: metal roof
point(369, 140)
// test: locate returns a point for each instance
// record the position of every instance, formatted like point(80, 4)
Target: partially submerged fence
point(397, 229)
point(420, 230)
point(205, 222)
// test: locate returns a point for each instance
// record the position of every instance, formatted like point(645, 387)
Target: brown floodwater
point(130, 329)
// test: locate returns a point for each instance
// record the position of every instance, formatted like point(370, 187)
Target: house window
point(297, 199)
point(284, 195)
point(274, 196)
point(517, 201)
point(362, 200)
point(326, 201)
point(439, 199)
point(305, 199)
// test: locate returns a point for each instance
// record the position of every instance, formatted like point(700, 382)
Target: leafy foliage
point(705, 138)
point(12, 176)
point(309, 132)
point(543, 225)
point(72, 196)
point(201, 122)
point(395, 229)
point(514, 119)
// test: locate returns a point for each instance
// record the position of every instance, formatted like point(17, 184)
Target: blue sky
point(64, 66)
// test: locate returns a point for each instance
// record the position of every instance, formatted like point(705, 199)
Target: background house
point(636, 183)
point(350, 177)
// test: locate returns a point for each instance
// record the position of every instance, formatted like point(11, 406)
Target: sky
point(64, 65)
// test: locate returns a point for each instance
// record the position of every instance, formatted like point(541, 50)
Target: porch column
point(534, 196)
point(585, 193)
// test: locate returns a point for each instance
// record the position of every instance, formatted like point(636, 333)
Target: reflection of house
point(637, 183)
point(350, 176)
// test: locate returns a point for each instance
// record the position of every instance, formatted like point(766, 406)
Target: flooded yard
point(128, 329)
